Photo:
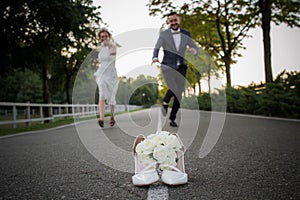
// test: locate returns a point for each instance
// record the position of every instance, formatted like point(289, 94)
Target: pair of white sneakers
point(170, 175)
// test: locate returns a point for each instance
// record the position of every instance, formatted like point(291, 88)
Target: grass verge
point(8, 129)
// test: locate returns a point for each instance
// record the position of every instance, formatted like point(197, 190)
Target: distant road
point(254, 158)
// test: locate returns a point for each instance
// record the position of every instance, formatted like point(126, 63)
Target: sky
point(131, 25)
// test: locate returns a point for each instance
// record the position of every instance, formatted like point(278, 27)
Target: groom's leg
point(168, 96)
point(180, 86)
point(175, 108)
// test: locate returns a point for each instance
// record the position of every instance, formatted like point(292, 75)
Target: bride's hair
point(104, 30)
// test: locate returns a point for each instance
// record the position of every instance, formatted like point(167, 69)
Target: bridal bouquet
point(161, 147)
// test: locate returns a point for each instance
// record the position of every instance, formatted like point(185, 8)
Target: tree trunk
point(208, 78)
point(265, 9)
point(45, 85)
point(68, 80)
point(194, 90)
point(199, 83)
point(45, 92)
point(227, 61)
point(199, 88)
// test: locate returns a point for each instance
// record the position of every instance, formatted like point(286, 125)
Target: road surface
point(254, 158)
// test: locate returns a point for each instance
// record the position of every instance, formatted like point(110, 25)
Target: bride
point(106, 76)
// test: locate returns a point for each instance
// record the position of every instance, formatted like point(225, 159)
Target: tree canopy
point(46, 37)
point(220, 26)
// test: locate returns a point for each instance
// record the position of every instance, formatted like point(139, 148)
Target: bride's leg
point(101, 109)
point(112, 111)
point(112, 115)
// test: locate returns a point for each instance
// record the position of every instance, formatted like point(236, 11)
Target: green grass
point(8, 129)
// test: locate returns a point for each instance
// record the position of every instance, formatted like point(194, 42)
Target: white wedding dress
point(106, 76)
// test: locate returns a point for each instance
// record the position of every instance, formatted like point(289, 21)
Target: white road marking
point(158, 192)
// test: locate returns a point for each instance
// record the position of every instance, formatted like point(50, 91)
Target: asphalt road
point(254, 158)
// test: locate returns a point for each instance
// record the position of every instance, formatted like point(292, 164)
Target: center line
point(158, 192)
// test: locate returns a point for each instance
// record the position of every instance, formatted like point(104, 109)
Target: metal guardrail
point(34, 112)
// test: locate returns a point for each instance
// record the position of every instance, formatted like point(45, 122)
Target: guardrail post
point(28, 114)
point(15, 116)
point(73, 110)
point(41, 114)
point(67, 110)
point(50, 111)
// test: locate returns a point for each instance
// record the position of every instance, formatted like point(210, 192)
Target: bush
point(280, 98)
point(241, 100)
point(190, 103)
point(204, 101)
point(21, 86)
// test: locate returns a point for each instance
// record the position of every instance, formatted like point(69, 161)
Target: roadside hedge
point(280, 98)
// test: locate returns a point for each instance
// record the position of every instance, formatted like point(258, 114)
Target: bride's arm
point(112, 49)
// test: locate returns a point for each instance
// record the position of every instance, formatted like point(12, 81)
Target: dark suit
point(173, 65)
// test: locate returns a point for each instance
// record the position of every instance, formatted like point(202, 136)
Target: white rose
point(146, 159)
point(170, 161)
point(173, 142)
point(147, 146)
point(160, 153)
point(156, 141)
point(171, 157)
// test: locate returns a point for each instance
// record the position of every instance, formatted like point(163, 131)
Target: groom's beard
point(175, 27)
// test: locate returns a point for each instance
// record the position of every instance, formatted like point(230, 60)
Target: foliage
point(21, 86)
point(280, 98)
point(144, 91)
point(140, 91)
point(190, 103)
point(204, 101)
point(277, 11)
point(241, 100)
point(199, 67)
point(286, 12)
point(47, 36)
point(218, 26)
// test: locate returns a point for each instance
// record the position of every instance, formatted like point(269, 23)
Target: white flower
point(146, 159)
point(173, 142)
point(145, 147)
point(160, 153)
point(161, 147)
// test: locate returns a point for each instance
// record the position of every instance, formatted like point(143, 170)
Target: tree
point(278, 11)
point(201, 66)
point(230, 20)
point(21, 86)
point(39, 34)
point(144, 91)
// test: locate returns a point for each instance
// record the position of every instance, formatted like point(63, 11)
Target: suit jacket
point(171, 55)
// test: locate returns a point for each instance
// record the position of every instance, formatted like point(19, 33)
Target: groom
point(174, 42)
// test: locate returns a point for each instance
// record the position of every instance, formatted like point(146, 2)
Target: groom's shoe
point(164, 110)
point(173, 123)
